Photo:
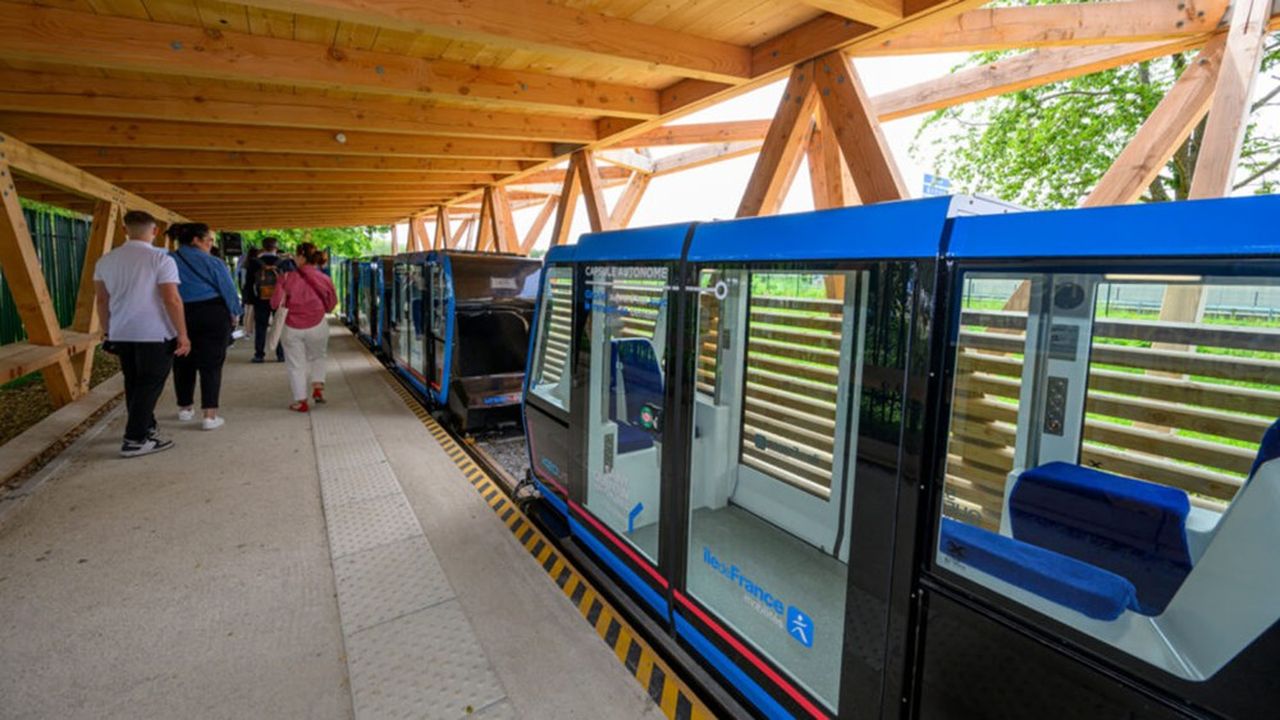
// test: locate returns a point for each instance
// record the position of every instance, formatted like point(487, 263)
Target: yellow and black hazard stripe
point(666, 689)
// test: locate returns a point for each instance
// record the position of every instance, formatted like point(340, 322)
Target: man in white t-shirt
point(142, 316)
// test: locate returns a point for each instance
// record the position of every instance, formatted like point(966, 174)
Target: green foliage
point(50, 209)
point(340, 242)
point(1047, 147)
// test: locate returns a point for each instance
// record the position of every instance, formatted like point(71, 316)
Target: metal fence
point(60, 244)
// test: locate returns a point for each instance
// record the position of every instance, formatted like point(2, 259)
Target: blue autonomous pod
point(368, 301)
point(934, 458)
point(458, 331)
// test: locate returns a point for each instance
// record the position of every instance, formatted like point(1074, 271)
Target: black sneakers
point(153, 444)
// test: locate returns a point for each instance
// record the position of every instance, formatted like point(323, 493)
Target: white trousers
point(305, 353)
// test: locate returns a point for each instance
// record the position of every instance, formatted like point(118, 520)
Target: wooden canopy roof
point(368, 111)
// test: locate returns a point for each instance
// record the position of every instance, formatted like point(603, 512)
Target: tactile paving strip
point(389, 581)
point(654, 674)
point(411, 652)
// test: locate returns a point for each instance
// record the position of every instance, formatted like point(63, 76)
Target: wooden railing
point(1188, 418)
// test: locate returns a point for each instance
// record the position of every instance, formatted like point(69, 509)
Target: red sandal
point(317, 394)
point(300, 406)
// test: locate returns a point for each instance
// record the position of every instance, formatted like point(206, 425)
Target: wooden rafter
point(829, 178)
point(105, 232)
point(1020, 28)
point(29, 32)
point(699, 133)
point(198, 100)
point(442, 238)
point(461, 233)
point(526, 26)
point(1181, 109)
point(70, 130)
point(570, 191)
point(284, 177)
point(1232, 95)
point(98, 157)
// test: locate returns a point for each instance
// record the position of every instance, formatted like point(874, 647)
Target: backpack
point(268, 278)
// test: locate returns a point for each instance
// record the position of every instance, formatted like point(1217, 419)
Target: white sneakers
point(189, 414)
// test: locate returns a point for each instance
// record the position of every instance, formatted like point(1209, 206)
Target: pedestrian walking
point(142, 316)
point(306, 295)
point(210, 305)
point(263, 272)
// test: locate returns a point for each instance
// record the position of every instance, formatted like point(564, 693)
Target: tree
point(342, 242)
point(1047, 147)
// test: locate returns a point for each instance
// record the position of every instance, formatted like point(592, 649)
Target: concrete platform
point(200, 582)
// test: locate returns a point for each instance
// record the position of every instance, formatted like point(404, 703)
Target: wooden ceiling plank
point(71, 130)
point(1013, 28)
point(60, 36)
point(214, 102)
point(214, 178)
point(880, 13)
point(529, 24)
point(103, 157)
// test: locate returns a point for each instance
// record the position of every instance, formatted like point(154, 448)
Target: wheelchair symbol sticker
point(800, 626)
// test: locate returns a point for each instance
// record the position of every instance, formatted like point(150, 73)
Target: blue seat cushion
point(1090, 590)
point(1132, 528)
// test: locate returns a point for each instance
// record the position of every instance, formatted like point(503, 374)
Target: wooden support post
point(1232, 97)
point(857, 129)
point(29, 289)
point(592, 190)
point(443, 237)
point(395, 239)
point(540, 222)
point(504, 224)
point(485, 234)
point(102, 234)
point(627, 205)
point(1164, 131)
point(569, 191)
point(827, 172)
point(783, 145)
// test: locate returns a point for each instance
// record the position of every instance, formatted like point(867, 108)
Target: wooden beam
point(214, 178)
point(827, 168)
point(32, 162)
point(59, 36)
point(530, 26)
point(71, 130)
point(1169, 125)
point(626, 159)
point(1016, 28)
point(853, 121)
point(1019, 72)
point(783, 146)
point(699, 133)
point(629, 202)
point(267, 188)
point(26, 283)
point(592, 190)
point(539, 223)
point(197, 100)
point(704, 155)
point(1232, 98)
point(395, 239)
point(97, 158)
point(880, 13)
point(485, 232)
point(570, 190)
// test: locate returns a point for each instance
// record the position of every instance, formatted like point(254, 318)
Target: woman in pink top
point(308, 295)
